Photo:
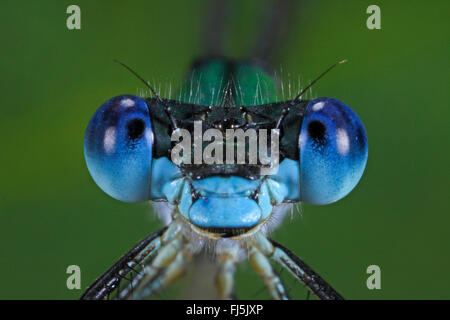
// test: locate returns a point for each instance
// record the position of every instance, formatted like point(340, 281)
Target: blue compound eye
point(118, 148)
point(333, 151)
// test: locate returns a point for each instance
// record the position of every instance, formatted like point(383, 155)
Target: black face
point(256, 117)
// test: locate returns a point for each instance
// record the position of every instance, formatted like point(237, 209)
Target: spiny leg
point(300, 270)
point(165, 253)
point(303, 272)
point(262, 266)
point(226, 257)
point(163, 275)
point(162, 259)
point(110, 280)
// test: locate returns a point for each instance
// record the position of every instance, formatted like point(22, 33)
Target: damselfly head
point(163, 150)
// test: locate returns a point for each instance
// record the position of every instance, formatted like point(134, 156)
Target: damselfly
point(223, 206)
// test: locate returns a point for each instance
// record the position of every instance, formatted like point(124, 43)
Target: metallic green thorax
point(228, 83)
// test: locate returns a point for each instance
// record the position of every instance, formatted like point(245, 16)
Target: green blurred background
point(52, 80)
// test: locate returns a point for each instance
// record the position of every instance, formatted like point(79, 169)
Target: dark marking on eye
point(360, 138)
point(316, 130)
point(135, 129)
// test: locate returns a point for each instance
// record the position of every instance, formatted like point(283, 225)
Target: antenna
point(295, 100)
point(167, 108)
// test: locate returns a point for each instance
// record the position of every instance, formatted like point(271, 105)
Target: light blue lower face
point(217, 212)
point(224, 202)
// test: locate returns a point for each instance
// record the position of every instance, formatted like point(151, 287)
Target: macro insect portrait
point(228, 204)
point(224, 150)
